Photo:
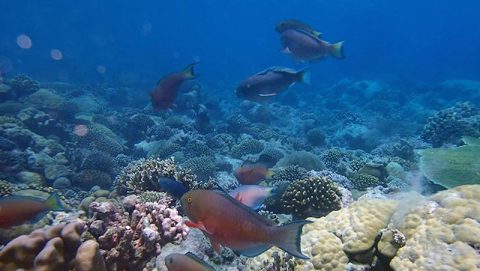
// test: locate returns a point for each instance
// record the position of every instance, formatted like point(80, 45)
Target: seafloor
point(388, 173)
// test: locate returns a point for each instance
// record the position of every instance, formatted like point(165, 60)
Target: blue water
point(139, 41)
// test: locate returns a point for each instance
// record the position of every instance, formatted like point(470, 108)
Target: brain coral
point(440, 232)
point(142, 175)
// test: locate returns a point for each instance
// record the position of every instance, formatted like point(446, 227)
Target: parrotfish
point(167, 88)
point(17, 210)
point(306, 47)
point(296, 24)
point(186, 262)
point(229, 223)
point(252, 173)
point(251, 195)
point(172, 187)
point(270, 82)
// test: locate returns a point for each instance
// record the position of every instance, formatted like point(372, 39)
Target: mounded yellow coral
point(440, 232)
point(443, 232)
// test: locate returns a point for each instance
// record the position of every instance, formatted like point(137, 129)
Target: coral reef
point(316, 137)
point(312, 196)
point(133, 234)
point(449, 125)
point(203, 167)
point(142, 175)
point(304, 159)
point(88, 178)
point(247, 146)
point(52, 248)
point(22, 84)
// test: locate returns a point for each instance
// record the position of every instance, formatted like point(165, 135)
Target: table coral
point(53, 248)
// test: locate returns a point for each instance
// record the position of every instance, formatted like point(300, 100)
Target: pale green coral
point(453, 166)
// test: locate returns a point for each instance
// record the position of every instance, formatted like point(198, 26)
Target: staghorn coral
point(247, 146)
point(142, 175)
point(312, 196)
point(131, 236)
point(449, 125)
point(52, 248)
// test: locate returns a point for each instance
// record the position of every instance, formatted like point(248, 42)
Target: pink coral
point(132, 235)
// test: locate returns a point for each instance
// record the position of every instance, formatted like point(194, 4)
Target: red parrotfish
point(186, 262)
point(17, 210)
point(167, 88)
point(229, 223)
point(251, 195)
point(296, 24)
point(307, 47)
point(270, 82)
point(252, 173)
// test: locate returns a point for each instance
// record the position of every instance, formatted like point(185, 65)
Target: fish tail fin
point(54, 203)
point(304, 76)
point(189, 72)
point(288, 238)
point(337, 50)
point(269, 174)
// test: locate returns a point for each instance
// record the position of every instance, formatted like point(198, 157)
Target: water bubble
point(24, 41)
point(56, 54)
point(101, 69)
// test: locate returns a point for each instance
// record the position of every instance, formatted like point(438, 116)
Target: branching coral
point(142, 175)
point(312, 196)
point(132, 236)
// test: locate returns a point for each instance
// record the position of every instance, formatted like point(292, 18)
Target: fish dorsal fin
point(198, 260)
point(245, 208)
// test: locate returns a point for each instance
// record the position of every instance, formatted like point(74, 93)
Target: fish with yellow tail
point(186, 262)
point(17, 210)
point(229, 223)
point(167, 88)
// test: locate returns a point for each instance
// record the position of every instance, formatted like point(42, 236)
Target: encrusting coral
point(440, 232)
point(53, 248)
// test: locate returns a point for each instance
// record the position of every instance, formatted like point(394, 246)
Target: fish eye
point(189, 200)
point(170, 261)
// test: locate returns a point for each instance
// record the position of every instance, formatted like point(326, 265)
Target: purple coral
point(131, 235)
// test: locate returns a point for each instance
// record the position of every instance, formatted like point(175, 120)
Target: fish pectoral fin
point(199, 225)
point(267, 94)
point(286, 50)
point(255, 250)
